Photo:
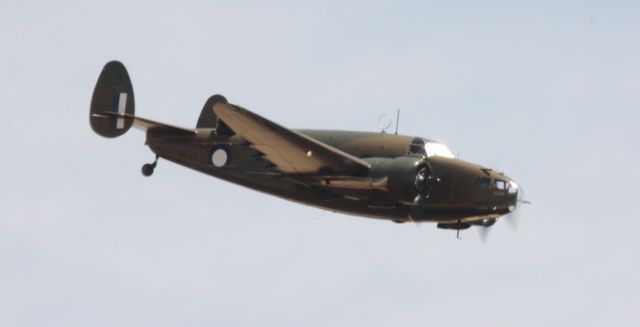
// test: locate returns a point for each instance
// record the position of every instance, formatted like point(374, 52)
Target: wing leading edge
point(291, 152)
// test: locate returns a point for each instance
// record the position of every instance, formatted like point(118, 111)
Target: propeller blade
point(484, 233)
point(513, 219)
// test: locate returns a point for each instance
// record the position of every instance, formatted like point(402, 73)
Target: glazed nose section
point(515, 195)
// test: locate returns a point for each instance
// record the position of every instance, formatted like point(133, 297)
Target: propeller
point(483, 232)
point(512, 218)
point(424, 182)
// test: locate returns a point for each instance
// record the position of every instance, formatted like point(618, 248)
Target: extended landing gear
point(147, 169)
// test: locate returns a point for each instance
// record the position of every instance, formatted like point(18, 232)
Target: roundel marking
point(219, 155)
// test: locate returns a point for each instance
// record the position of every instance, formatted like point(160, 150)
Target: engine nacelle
point(407, 177)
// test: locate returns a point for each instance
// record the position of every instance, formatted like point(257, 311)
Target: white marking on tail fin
point(122, 106)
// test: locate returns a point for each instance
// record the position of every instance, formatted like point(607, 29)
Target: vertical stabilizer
point(208, 118)
point(113, 93)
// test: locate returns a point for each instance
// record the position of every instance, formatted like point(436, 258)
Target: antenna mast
point(397, 119)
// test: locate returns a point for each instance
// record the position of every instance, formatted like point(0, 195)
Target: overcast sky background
point(547, 91)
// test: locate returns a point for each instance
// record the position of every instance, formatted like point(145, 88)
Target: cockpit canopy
point(429, 148)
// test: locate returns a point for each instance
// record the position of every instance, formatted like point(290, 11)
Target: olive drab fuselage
point(465, 191)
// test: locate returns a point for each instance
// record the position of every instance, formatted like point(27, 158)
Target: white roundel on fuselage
point(219, 157)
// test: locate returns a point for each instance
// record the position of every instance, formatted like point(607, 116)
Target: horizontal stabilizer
point(143, 123)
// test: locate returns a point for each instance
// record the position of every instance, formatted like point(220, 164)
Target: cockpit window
point(438, 149)
point(500, 184)
point(417, 146)
point(430, 148)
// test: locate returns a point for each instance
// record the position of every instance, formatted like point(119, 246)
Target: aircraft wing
point(143, 123)
point(290, 151)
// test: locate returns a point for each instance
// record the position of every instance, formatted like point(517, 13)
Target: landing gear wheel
point(147, 169)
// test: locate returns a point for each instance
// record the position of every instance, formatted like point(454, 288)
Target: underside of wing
point(291, 152)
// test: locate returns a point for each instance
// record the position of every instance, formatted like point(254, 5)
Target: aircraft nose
point(515, 194)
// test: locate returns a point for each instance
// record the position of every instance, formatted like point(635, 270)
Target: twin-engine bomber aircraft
point(377, 175)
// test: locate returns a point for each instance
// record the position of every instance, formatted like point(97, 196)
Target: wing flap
point(290, 151)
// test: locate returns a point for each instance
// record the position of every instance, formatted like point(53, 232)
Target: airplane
point(371, 174)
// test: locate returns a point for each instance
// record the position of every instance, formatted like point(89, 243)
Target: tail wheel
point(147, 169)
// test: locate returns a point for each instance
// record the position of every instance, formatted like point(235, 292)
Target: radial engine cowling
point(408, 178)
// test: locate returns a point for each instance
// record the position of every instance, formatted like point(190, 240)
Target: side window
point(483, 181)
point(500, 184)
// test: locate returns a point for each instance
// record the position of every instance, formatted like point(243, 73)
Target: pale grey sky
point(547, 91)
